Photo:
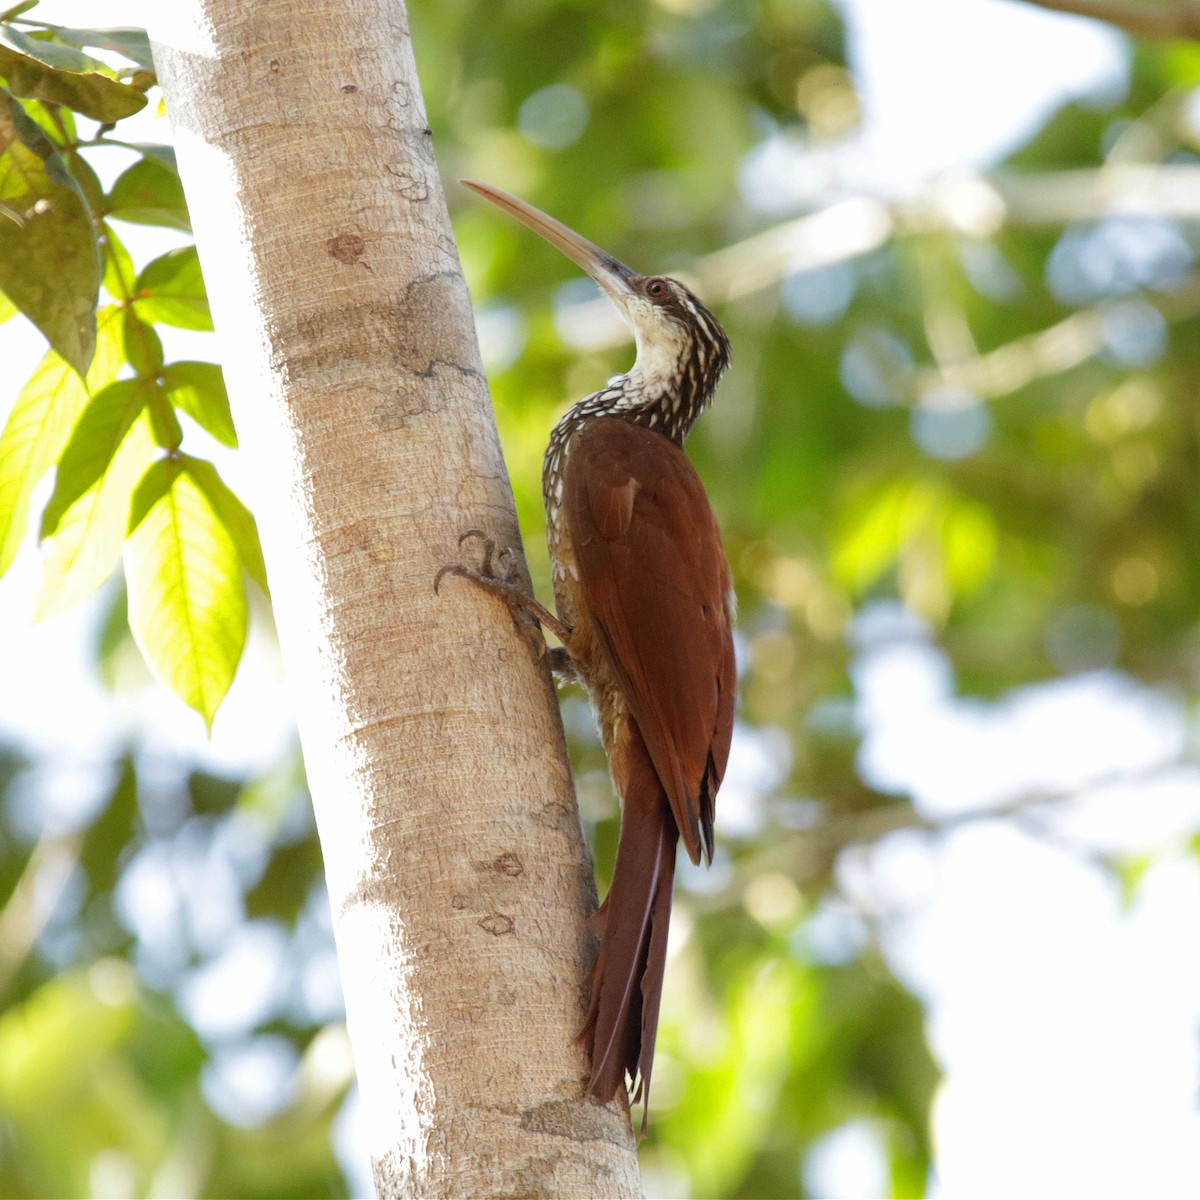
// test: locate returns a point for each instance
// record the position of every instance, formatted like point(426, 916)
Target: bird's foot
point(562, 664)
point(500, 574)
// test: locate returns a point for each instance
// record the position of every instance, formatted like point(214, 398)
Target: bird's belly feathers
point(588, 652)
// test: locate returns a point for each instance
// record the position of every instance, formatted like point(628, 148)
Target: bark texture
point(457, 875)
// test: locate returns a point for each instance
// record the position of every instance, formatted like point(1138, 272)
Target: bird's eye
point(656, 289)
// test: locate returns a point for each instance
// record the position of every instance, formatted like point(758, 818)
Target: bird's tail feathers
point(627, 978)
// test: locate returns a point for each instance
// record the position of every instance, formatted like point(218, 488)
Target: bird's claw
point(501, 575)
point(494, 569)
point(448, 569)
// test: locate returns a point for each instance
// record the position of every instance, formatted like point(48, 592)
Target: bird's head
point(680, 344)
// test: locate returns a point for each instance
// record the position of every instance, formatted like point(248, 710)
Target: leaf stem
point(10, 14)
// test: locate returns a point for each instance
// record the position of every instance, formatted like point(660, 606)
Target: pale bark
point(457, 874)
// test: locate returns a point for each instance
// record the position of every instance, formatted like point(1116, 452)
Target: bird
point(645, 611)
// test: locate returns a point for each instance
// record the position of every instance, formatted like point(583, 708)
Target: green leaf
point(56, 122)
point(44, 70)
point(43, 48)
point(112, 832)
point(119, 276)
point(871, 538)
point(283, 889)
point(272, 799)
point(65, 1079)
point(171, 290)
point(198, 389)
point(143, 347)
point(86, 546)
point(83, 174)
point(155, 150)
point(49, 263)
point(969, 546)
point(7, 308)
point(94, 441)
point(39, 426)
point(149, 193)
point(85, 543)
point(134, 44)
point(187, 605)
point(235, 516)
point(212, 795)
point(168, 433)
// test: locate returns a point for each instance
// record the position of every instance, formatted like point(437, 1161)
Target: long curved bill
point(610, 273)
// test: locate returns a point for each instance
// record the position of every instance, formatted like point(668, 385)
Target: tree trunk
point(457, 874)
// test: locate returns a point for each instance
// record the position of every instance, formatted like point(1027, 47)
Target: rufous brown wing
point(657, 586)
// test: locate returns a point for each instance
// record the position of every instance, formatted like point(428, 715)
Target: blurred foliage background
point(963, 417)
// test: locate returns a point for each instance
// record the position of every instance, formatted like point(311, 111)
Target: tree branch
point(968, 205)
point(1050, 351)
point(808, 856)
point(32, 901)
point(1170, 22)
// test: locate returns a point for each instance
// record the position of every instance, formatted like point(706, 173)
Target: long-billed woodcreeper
point(645, 612)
